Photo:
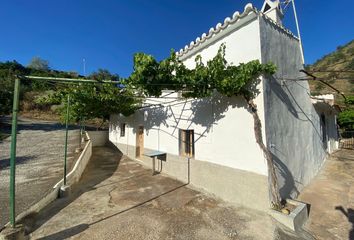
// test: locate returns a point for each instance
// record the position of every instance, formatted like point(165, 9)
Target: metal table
point(154, 155)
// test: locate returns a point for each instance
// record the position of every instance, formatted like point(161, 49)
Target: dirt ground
point(39, 162)
point(35, 114)
point(119, 199)
point(331, 195)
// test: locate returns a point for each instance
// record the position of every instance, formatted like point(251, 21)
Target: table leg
point(153, 165)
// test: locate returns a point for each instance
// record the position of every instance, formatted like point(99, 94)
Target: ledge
point(296, 219)
point(72, 177)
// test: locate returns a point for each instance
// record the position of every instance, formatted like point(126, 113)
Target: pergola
point(15, 111)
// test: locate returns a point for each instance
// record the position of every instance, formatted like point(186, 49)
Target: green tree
point(104, 74)
point(100, 101)
point(91, 100)
point(346, 117)
point(8, 70)
point(38, 63)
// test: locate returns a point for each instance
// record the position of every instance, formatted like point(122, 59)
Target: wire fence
point(347, 140)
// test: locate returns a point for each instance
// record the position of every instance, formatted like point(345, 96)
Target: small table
point(153, 155)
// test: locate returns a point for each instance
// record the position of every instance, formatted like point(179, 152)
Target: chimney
point(273, 10)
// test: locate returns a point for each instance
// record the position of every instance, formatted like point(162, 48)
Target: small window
point(122, 130)
point(186, 143)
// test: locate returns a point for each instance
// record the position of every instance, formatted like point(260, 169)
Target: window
point(122, 130)
point(186, 143)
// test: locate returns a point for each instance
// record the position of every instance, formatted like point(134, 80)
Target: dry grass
point(340, 60)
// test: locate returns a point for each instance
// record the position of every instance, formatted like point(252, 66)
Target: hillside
point(340, 67)
point(37, 97)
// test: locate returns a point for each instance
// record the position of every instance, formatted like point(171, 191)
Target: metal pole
point(153, 165)
point(72, 80)
point(81, 128)
point(66, 137)
point(84, 62)
point(13, 152)
point(80, 139)
point(298, 32)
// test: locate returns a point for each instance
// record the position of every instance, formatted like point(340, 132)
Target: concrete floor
point(119, 199)
point(39, 162)
point(331, 195)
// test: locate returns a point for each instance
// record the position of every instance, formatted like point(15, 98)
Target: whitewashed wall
point(223, 126)
point(223, 131)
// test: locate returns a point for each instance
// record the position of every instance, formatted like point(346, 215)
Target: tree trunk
point(276, 201)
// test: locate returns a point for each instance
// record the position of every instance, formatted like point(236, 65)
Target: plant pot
point(297, 217)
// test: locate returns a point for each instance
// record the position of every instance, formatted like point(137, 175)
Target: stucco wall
point(232, 185)
point(227, 162)
point(242, 43)
point(223, 130)
point(292, 125)
point(223, 126)
point(98, 138)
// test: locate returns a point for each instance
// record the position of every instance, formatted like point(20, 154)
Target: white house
point(210, 143)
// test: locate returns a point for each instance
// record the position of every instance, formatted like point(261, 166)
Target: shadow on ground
point(349, 214)
point(108, 165)
point(103, 164)
point(67, 233)
point(5, 163)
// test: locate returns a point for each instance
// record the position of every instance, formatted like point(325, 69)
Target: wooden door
point(139, 141)
point(186, 143)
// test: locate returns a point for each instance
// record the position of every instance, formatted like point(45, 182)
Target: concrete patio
point(331, 195)
point(119, 199)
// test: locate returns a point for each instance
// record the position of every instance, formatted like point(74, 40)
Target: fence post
point(66, 137)
point(13, 151)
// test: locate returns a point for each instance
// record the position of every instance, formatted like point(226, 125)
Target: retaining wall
point(98, 138)
point(72, 177)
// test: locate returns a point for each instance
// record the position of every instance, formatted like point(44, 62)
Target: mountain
point(337, 69)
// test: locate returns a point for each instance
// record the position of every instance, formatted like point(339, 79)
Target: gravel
point(39, 162)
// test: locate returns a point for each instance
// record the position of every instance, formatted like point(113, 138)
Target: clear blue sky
point(107, 33)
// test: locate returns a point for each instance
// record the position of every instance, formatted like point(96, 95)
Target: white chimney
point(273, 10)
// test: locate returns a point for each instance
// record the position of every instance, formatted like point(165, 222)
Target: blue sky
point(107, 33)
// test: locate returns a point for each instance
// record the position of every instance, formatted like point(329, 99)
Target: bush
point(350, 65)
point(336, 57)
point(346, 119)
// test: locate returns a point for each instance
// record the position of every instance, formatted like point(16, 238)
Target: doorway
point(324, 131)
point(139, 142)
